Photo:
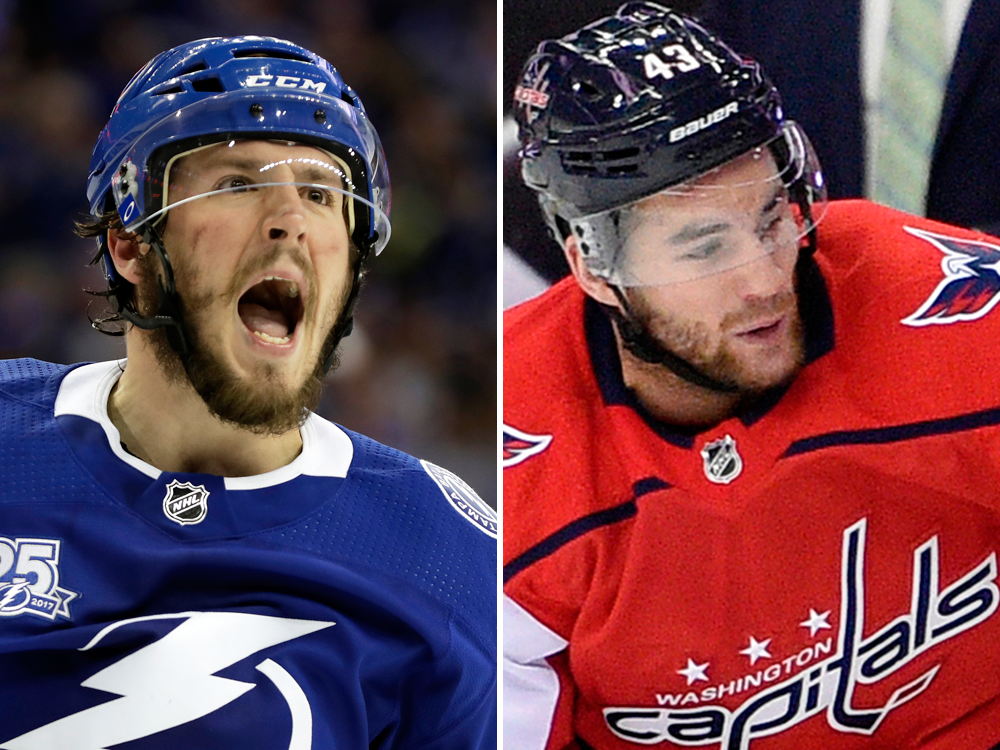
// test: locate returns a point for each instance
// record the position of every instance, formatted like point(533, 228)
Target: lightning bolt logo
point(171, 681)
point(12, 593)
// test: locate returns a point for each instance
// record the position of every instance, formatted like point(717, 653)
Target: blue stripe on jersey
point(581, 526)
point(896, 433)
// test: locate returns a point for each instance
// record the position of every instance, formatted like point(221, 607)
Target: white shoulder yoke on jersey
point(530, 685)
point(327, 451)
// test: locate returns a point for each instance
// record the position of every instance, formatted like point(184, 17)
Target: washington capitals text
point(935, 616)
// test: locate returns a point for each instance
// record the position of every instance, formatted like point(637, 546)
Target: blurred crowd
point(419, 373)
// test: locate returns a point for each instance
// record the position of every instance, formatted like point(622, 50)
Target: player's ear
point(126, 250)
point(595, 287)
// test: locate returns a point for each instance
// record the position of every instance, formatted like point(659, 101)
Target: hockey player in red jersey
point(751, 446)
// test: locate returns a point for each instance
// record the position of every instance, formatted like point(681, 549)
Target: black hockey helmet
point(639, 102)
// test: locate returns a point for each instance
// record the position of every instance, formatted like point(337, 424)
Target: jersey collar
point(327, 451)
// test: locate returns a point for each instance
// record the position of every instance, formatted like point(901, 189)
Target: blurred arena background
point(418, 372)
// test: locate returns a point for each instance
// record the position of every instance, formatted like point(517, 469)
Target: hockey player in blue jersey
point(189, 557)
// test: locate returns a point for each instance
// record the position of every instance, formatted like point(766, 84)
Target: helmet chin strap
point(169, 307)
point(345, 325)
point(641, 344)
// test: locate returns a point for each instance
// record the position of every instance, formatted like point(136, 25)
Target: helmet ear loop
point(798, 191)
point(169, 308)
point(641, 344)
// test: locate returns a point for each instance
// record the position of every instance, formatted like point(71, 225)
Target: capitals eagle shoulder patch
point(519, 446)
point(971, 285)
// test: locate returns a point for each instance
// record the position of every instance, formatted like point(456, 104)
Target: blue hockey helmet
point(249, 87)
point(231, 89)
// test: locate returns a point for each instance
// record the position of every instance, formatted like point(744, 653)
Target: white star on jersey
point(694, 672)
point(816, 622)
point(757, 649)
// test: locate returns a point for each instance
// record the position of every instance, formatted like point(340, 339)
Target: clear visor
point(720, 221)
point(236, 185)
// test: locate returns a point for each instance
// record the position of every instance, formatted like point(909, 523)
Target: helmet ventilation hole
point(275, 53)
point(587, 90)
point(169, 89)
point(210, 84)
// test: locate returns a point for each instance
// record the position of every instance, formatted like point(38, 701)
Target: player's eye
point(772, 217)
point(317, 195)
point(236, 184)
point(703, 252)
point(770, 227)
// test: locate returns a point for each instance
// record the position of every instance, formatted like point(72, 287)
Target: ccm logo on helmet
point(703, 122)
point(286, 82)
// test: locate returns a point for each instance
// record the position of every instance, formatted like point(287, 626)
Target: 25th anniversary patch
point(29, 579)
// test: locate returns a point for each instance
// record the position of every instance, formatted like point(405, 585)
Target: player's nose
point(764, 274)
point(284, 217)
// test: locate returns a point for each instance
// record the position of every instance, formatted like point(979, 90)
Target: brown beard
point(260, 404)
point(690, 340)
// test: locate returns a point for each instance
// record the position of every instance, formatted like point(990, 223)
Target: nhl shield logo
point(722, 462)
point(185, 503)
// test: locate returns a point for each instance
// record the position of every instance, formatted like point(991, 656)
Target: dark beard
point(261, 405)
point(656, 337)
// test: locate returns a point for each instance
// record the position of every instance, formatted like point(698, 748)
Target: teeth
point(271, 339)
point(293, 288)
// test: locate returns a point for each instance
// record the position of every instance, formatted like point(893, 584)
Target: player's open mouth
point(272, 309)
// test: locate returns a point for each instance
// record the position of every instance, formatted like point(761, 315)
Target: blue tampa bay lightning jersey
point(346, 600)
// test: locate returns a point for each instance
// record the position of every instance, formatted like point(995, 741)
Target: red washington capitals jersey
point(346, 600)
point(817, 572)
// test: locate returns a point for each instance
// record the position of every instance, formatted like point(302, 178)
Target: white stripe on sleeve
point(530, 684)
